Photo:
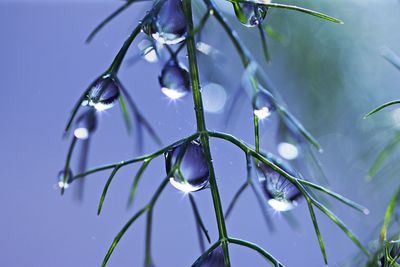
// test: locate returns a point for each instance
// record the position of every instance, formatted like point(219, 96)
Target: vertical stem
point(148, 262)
point(201, 128)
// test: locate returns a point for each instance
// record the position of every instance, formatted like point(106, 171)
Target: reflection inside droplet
point(192, 173)
point(251, 14)
point(288, 151)
point(64, 179)
point(282, 195)
point(148, 50)
point(86, 124)
point(174, 80)
point(214, 97)
point(168, 25)
point(263, 104)
point(103, 94)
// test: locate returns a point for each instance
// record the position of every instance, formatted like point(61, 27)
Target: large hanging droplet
point(103, 94)
point(214, 259)
point(174, 80)
point(64, 179)
point(168, 24)
point(249, 14)
point(263, 104)
point(282, 195)
point(192, 173)
point(289, 139)
point(86, 124)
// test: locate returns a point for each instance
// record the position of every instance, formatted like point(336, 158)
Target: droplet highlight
point(281, 194)
point(64, 179)
point(174, 80)
point(86, 124)
point(263, 104)
point(193, 173)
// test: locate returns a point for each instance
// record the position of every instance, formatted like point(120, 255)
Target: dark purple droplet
point(282, 195)
point(86, 124)
point(263, 104)
point(64, 179)
point(168, 24)
point(193, 173)
point(253, 14)
point(103, 94)
point(214, 259)
point(174, 80)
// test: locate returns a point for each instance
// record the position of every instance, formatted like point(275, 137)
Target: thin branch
point(135, 183)
point(199, 221)
point(138, 159)
point(255, 247)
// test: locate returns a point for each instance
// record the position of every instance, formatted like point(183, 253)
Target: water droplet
point(282, 195)
point(249, 14)
point(193, 173)
point(214, 259)
point(168, 24)
point(86, 124)
point(288, 151)
point(148, 50)
point(174, 80)
point(214, 97)
point(64, 179)
point(263, 104)
point(103, 94)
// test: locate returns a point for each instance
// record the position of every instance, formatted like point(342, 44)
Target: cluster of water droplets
point(282, 194)
point(174, 80)
point(103, 94)
point(168, 23)
point(64, 178)
point(250, 14)
point(192, 173)
point(263, 104)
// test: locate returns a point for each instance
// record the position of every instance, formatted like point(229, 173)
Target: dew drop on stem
point(263, 104)
point(64, 179)
point(281, 194)
point(192, 174)
point(249, 14)
point(168, 23)
point(86, 124)
point(174, 80)
point(103, 94)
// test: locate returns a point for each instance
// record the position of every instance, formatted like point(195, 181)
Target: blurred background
point(329, 75)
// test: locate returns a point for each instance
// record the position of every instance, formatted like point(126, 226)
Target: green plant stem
point(138, 159)
point(137, 215)
point(201, 128)
point(116, 64)
point(67, 163)
point(256, 248)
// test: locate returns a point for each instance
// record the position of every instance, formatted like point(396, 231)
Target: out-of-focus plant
point(388, 251)
point(169, 26)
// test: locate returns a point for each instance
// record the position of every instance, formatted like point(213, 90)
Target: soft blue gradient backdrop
point(330, 75)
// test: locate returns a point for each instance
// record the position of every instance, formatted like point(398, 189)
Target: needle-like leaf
point(389, 213)
point(317, 231)
point(291, 7)
point(103, 195)
point(135, 183)
point(383, 155)
point(388, 104)
point(341, 198)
